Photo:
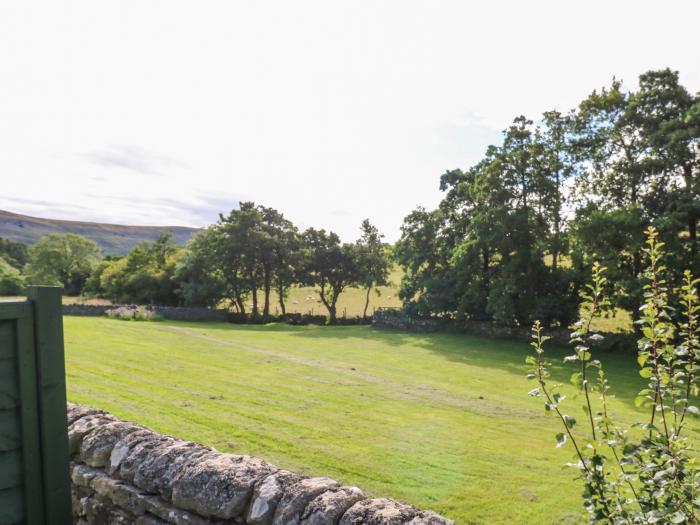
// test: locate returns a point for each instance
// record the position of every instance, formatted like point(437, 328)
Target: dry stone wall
point(124, 473)
point(396, 319)
point(175, 313)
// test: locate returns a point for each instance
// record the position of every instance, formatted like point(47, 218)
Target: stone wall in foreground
point(124, 473)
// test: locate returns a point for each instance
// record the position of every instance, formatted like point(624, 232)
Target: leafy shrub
point(133, 313)
point(643, 473)
point(11, 282)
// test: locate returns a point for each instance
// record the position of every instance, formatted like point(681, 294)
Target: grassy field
point(616, 322)
point(442, 421)
point(351, 302)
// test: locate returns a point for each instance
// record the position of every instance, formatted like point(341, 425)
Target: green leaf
point(678, 517)
point(576, 379)
point(642, 359)
point(646, 372)
point(561, 439)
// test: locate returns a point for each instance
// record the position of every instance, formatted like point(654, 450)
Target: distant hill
point(114, 239)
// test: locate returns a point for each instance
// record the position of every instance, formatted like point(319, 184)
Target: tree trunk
point(266, 304)
point(486, 258)
point(364, 313)
point(280, 294)
point(557, 226)
point(240, 303)
point(329, 307)
point(333, 309)
point(332, 313)
point(255, 300)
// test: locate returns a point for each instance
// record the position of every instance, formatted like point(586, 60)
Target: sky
point(169, 112)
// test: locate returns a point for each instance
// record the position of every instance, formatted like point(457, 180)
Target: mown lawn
point(442, 421)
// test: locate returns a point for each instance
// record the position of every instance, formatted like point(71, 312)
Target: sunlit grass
point(615, 322)
point(351, 303)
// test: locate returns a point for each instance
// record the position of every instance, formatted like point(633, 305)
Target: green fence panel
point(34, 478)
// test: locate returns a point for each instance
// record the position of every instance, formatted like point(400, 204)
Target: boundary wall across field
point(396, 319)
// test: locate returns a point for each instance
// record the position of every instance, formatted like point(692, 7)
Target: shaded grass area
point(442, 421)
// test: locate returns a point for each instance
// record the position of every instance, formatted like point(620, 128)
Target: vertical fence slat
point(48, 333)
point(29, 413)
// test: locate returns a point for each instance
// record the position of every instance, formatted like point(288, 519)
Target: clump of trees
point(13, 253)
point(255, 250)
point(13, 257)
point(515, 233)
point(237, 263)
point(11, 281)
point(144, 276)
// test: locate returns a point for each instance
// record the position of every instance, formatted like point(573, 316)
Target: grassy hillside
point(114, 239)
point(439, 420)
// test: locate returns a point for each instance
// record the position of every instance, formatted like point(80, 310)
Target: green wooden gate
point(34, 479)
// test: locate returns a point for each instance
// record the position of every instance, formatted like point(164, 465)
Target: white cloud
point(158, 112)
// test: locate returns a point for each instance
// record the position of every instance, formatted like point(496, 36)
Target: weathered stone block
point(379, 511)
point(124, 446)
point(139, 454)
point(83, 426)
point(82, 475)
point(97, 510)
point(267, 494)
point(119, 517)
point(162, 466)
point(219, 485)
point(329, 507)
point(171, 514)
point(123, 496)
point(298, 496)
point(150, 520)
point(98, 444)
point(75, 412)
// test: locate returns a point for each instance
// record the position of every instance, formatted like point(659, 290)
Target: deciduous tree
point(62, 259)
